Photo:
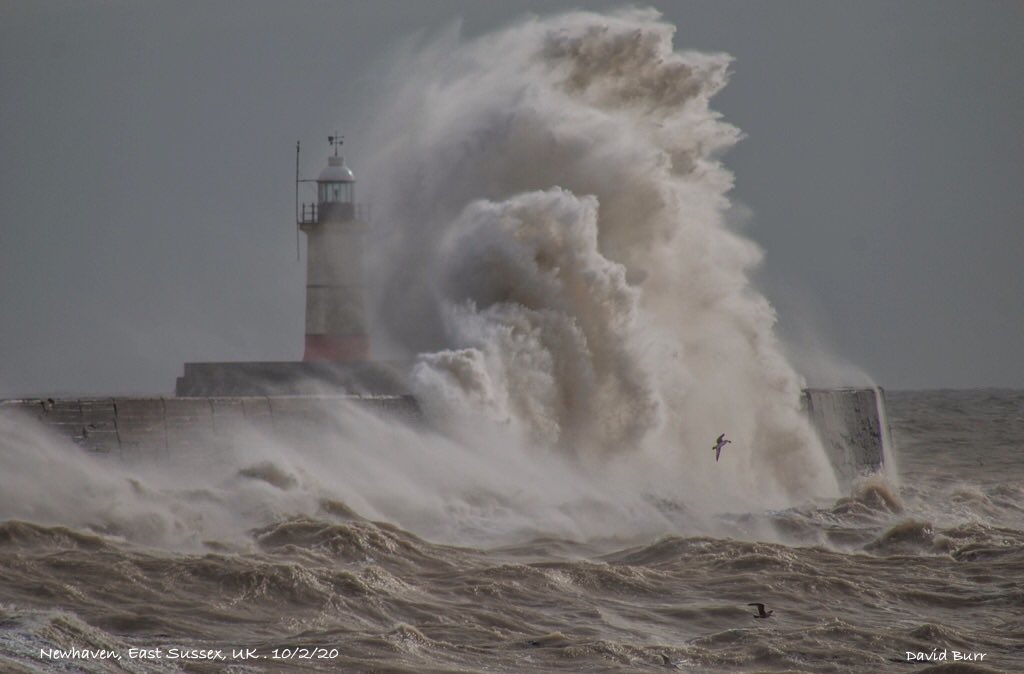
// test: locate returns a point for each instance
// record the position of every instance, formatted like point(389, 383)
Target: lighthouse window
point(336, 192)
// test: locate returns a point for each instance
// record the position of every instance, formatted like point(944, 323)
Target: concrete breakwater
point(853, 427)
point(155, 427)
point(850, 422)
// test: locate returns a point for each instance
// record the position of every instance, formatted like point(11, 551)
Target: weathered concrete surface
point(850, 422)
point(852, 425)
point(139, 428)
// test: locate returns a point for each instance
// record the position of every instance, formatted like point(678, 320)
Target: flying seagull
point(760, 611)
point(719, 443)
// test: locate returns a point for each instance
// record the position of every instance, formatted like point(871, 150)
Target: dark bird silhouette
point(760, 611)
point(719, 443)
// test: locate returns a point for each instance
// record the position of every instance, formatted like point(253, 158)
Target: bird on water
point(760, 611)
point(719, 443)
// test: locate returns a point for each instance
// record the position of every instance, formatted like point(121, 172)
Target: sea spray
point(552, 318)
point(480, 488)
point(551, 239)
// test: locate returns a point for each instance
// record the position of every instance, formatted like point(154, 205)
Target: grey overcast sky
point(147, 159)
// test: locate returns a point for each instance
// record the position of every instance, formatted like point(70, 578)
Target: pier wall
point(142, 428)
point(853, 427)
point(850, 422)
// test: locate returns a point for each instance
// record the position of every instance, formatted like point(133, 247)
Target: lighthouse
point(336, 354)
point(335, 227)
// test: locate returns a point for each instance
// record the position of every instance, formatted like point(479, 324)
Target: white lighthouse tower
point(335, 228)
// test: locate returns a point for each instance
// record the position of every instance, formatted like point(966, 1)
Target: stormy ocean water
point(558, 256)
point(928, 564)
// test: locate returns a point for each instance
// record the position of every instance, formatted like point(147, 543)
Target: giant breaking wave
point(553, 242)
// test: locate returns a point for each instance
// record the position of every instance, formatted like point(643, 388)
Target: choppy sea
point(919, 572)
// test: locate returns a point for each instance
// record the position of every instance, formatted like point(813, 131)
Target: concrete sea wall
point(850, 422)
point(853, 427)
point(138, 427)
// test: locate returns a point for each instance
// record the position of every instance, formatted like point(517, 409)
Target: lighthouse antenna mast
point(299, 217)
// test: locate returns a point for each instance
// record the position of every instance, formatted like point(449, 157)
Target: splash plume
point(551, 210)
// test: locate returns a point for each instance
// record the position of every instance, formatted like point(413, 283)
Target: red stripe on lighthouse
point(336, 348)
